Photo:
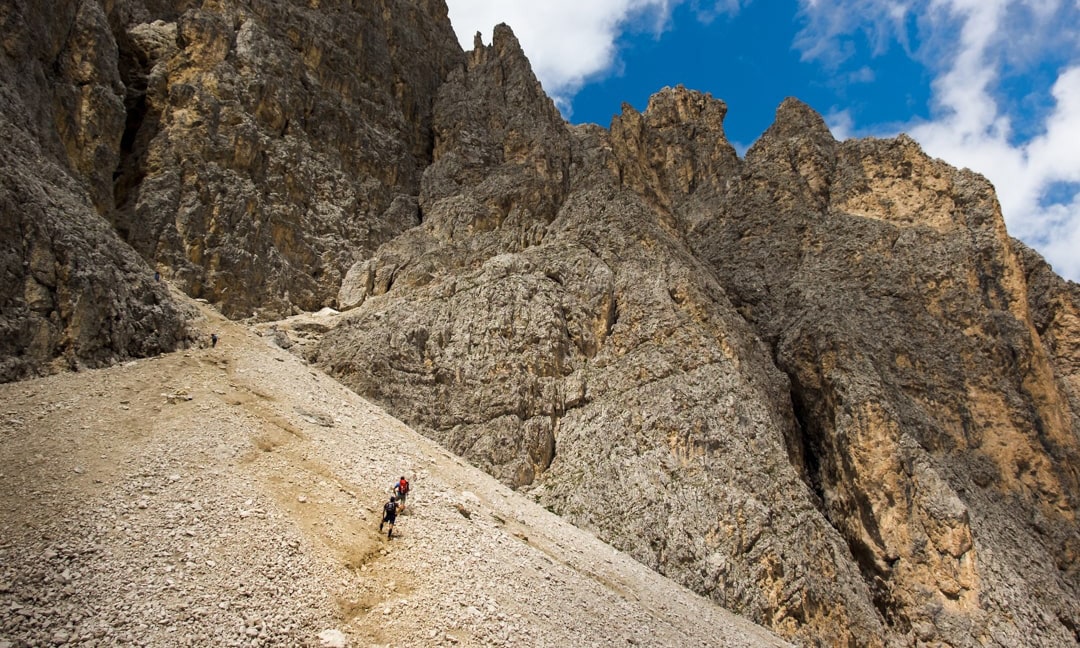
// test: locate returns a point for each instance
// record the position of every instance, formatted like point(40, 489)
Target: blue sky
point(992, 85)
point(748, 61)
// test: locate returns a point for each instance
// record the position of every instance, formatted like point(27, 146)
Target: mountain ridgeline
point(819, 384)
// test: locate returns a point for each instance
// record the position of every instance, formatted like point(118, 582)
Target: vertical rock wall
point(72, 293)
point(271, 144)
point(249, 151)
point(941, 443)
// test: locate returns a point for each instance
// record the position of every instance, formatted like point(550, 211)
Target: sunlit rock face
point(819, 384)
point(808, 383)
point(934, 394)
point(269, 145)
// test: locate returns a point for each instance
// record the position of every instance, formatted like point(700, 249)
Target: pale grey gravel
point(247, 515)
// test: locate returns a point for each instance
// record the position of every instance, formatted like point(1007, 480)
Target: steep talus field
point(231, 495)
point(819, 384)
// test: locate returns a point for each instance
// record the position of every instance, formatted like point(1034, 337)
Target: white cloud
point(570, 42)
point(841, 124)
point(710, 11)
point(1023, 173)
point(865, 74)
point(880, 21)
point(567, 41)
point(1063, 234)
point(968, 43)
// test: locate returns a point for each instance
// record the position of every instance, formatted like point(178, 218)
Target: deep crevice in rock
point(822, 472)
point(611, 317)
point(140, 126)
point(807, 448)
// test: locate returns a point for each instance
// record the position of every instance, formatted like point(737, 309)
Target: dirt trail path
point(231, 496)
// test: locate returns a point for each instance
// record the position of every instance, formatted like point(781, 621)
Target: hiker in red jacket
point(401, 489)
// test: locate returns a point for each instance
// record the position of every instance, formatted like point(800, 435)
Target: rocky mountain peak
point(670, 106)
point(504, 45)
point(674, 153)
point(795, 118)
point(492, 114)
point(797, 148)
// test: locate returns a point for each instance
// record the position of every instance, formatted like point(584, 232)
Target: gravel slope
point(230, 496)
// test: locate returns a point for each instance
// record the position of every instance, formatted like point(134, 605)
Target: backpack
point(390, 509)
point(403, 487)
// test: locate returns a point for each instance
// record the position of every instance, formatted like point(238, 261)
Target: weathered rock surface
point(270, 143)
point(807, 383)
point(819, 384)
point(72, 293)
point(1055, 313)
point(250, 151)
point(930, 413)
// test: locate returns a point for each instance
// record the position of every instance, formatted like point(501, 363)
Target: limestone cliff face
point(808, 383)
point(501, 172)
point(249, 151)
point(269, 144)
point(819, 384)
point(928, 403)
point(1055, 313)
point(72, 293)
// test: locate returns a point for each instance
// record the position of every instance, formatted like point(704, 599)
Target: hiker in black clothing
point(389, 515)
point(213, 340)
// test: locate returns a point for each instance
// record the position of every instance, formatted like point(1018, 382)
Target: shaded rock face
point(250, 151)
point(819, 384)
point(497, 181)
point(72, 293)
point(268, 143)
